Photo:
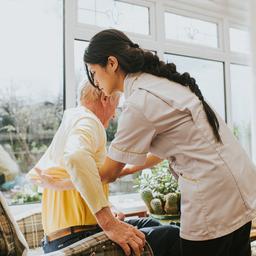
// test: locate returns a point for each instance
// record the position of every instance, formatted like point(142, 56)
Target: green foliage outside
point(26, 130)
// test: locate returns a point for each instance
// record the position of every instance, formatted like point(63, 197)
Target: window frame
point(142, 3)
point(196, 16)
point(225, 17)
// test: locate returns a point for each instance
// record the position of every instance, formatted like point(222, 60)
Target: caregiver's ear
point(112, 63)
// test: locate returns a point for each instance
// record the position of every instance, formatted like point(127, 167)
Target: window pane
point(31, 92)
point(124, 185)
point(116, 14)
point(239, 40)
point(209, 77)
point(241, 95)
point(191, 30)
point(80, 72)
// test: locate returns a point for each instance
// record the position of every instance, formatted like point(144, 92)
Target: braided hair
point(132, 59)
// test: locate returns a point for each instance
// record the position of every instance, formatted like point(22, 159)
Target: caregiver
point(166, 114)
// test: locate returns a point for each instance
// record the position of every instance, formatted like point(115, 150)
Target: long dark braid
point(132, 59)
point(154, 66)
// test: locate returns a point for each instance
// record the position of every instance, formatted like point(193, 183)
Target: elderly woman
point(73, 192)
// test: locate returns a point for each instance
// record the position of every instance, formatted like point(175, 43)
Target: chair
point(24, 238)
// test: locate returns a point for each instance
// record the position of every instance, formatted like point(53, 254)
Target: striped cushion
point(12, 241)
point(98, 245)
point(32, 229)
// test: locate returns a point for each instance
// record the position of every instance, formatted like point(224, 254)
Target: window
point(80, 72)
point(209, 76)
point(191, 30)
point(31, 93)
point(116, 14)
point(239, 40)
point(124, 185)
point(31, 77)
point(241, 95)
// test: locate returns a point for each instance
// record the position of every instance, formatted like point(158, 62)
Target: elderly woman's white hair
point(87, 92)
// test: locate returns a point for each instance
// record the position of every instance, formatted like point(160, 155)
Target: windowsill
point(126, 203)
point(21, 211)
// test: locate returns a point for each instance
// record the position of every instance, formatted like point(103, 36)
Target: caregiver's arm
point(109, 173)
point(131, 144)
point(110, 170)
point(45, 179)
point(151, 161)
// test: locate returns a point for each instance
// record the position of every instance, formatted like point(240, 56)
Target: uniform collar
point(129, 83)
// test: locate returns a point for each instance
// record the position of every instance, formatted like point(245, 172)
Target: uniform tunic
point(217, 180)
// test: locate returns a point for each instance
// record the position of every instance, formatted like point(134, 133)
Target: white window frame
point(142, 3)
point(188, 14)
point(216, 12)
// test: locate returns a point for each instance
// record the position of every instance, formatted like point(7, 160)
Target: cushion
point(12, 241)
point(97, 244)
point(36, 252)
point(32, 229)
point(253, 246)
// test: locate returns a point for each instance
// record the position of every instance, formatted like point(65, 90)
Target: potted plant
point(159, 190)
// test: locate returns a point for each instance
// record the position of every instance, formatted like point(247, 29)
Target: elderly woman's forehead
point(90, 93)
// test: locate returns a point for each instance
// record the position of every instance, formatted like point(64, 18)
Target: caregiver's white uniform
point(217, 181)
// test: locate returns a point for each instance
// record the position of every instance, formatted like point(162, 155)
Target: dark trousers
point(236, 243)
point(163, 239)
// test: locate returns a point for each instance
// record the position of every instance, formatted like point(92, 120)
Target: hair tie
point(133, 45)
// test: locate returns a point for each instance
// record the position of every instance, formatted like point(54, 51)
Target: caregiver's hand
point(48, 181)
